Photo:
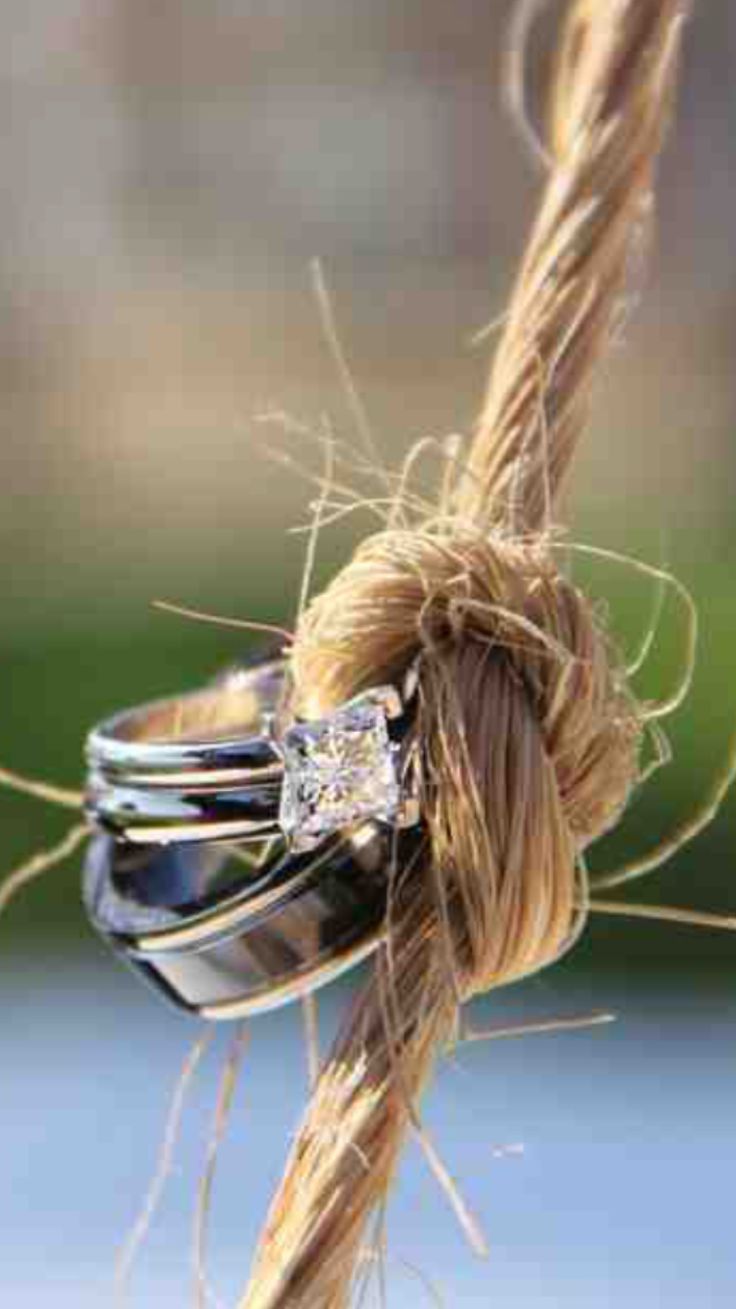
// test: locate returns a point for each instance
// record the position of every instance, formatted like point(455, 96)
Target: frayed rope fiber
point(529, 737)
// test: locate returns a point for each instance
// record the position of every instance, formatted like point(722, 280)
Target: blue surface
point(599, 1163)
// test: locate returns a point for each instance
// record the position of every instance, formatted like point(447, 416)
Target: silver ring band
point(214, 734)
point(144, 815)
point(298, 924)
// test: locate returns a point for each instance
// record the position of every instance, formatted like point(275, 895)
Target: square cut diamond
point(338, 770)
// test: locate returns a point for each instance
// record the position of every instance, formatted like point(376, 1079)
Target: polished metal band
point(292, 925)
point(144, 814)
point(214, 734)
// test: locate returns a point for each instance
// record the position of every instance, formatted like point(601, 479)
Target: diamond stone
point(338, 770)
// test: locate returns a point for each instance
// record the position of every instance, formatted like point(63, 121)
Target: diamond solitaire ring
point(212, 765)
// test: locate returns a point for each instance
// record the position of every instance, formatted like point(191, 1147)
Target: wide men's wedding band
point(295, 925)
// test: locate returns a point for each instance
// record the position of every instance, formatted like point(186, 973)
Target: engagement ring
point(212, 765)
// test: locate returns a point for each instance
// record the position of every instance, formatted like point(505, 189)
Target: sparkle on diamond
point(337, 771)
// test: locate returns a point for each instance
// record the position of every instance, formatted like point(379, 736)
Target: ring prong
point(410, 812)
point(268, 729)
point(389, 699)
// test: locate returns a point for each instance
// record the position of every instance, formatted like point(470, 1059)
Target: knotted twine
point(529, 735)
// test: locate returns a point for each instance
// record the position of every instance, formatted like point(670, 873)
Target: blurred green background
point(168, 172)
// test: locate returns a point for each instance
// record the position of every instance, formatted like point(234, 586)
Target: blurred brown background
point(169, 171)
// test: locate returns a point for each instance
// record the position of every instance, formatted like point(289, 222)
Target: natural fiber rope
point(608, 110)
point(528, 734)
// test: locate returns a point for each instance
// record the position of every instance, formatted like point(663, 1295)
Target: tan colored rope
point(529, 736)
point(608, 110)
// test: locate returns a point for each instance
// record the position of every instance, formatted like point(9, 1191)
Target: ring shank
point(245, 955)
point(218, 728)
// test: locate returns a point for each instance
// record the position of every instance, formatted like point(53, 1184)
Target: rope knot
point(528, 736)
